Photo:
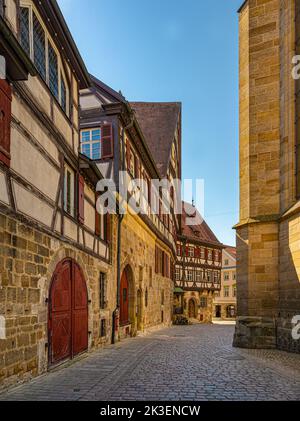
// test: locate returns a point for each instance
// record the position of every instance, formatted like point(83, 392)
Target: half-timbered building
point(55, 253)
point(145, 241)
point(198, 267)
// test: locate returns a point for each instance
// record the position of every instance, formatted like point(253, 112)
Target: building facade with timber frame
point(56, 255)
point(198, 268)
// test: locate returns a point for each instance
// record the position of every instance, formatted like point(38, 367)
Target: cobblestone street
point(180, 363)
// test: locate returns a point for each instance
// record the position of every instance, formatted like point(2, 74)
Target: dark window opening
point(103, 300)
point(103, 328)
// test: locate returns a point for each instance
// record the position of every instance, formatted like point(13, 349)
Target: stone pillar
point(258, 228)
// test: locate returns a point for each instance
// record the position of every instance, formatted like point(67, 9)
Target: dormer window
point(37, 42)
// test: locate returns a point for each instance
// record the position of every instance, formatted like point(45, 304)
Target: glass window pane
point(24, 29)
point(85, 136)
point(96, 151)
point(96, 135)
point(39, 47)
point(86, 150)
point(63, 94)
point(53, 71)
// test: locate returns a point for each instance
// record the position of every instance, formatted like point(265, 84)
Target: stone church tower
point(268, 233)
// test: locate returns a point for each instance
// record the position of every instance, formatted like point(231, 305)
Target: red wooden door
point(124, 300)
point(68, 313)
point(79, 313)
point(60, 321)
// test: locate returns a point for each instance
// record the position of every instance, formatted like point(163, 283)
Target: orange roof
point(198, 232)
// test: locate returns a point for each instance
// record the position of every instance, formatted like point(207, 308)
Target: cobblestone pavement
point(180, 363)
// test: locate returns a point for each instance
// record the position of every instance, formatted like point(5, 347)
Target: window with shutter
point(5, 120)
point(81, 199)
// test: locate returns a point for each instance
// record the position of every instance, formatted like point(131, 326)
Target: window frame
point(91, 142)
point(67, 168)
point(226, 292)
point(48, 40)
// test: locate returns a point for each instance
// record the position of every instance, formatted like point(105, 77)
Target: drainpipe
point(115, 321)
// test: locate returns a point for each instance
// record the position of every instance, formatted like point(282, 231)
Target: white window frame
point(190, 275)
point(191, 251)
point(91, 142)
point(48, 39)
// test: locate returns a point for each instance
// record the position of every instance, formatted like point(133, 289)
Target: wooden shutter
point(81, 199)
point(128, 155)
point(107, 141)
point(5, 120)
point(136, 167)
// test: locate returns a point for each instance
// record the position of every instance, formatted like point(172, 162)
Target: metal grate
point(39, 47)
point(24, 29)
point(53, 71)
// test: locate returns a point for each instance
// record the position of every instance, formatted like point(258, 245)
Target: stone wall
point(203, 314)
point(267, 233)
point(138, 252)
point(28, 259)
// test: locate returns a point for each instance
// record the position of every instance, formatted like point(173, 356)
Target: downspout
point(115, 325)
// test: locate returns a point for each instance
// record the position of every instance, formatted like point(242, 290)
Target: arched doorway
point(124, 299)
point(192, 309)
point(68, 312)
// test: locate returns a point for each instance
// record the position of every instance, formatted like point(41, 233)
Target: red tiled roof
point(158, 121)
point(231, 250)
point(198, 232)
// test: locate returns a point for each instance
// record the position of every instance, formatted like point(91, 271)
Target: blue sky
point(175, 50)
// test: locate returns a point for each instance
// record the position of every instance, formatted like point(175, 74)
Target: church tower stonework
point(268, 232)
